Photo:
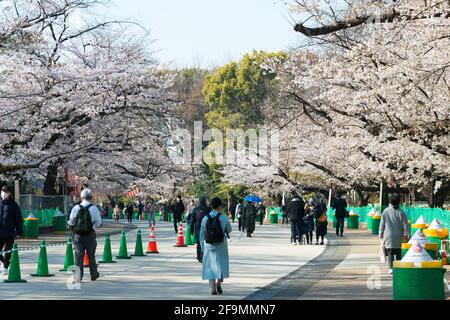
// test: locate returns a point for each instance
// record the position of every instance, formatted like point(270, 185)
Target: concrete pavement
point(264, 267)
point(348, 269)
point(173, 274)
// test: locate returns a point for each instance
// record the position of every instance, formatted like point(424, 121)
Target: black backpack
point(83, 221)
point(214, 232)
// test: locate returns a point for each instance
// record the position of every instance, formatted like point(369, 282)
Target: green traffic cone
point(42, 267)
point(107, 253)
point(123, 252)
point(188, 236)
point(14, 268)
point(68, 259)
point(138, 251)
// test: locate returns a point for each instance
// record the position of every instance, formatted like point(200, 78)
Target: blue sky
point(208, 33)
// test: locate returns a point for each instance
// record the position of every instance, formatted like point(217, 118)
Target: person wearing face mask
point(10, 226)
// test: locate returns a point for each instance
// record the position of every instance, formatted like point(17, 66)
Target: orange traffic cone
point(180, 238)
point(152, 247)
point(86, 259)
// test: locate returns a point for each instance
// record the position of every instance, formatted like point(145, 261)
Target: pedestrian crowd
point(208, 224)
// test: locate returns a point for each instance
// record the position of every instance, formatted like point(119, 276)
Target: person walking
point(116, 213)
point(140, 208)
point(232, 204)
point(84, 219)
point(320, 213)
point(196, 221)
point(393, 228)
point(190, 212)
point(214, 234)
point(11, 226)
point(178, 209)
point(285, 219)
point(308, 221)
point(151, 209)
point(249, 221)
point(261, 213)
point(340, 205)
point(238, 214)
point(296, 212)
point(130, 212)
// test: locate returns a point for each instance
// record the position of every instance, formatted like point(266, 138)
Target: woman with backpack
point(214, 232)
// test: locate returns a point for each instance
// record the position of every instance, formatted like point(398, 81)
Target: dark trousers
point(85, 243)
point(321, 237)
point(285, 220)
point(393, 255)
point(176, 222)
point(6, 244)
point(261, 218)
point(139, 215)
point(199, 252)
point(240, 226)
point(340, 226)
point(309, 237)
point(130, 218)
point(295, 231)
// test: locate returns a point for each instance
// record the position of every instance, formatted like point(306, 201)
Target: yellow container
point(419, 226)
point(441, 234)
point(399, 264)
point(431, 264)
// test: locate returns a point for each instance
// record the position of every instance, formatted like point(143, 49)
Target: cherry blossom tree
point(368, 99)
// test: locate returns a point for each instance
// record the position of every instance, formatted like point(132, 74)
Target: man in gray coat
point(393, 229)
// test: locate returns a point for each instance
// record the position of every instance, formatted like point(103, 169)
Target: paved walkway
point(349, 269)
point(174, 273)
point(266, 266)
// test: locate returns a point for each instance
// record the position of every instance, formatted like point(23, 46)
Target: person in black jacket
point(178, 209)
point(10, 225)
point(296, 213)
point(249, 214)
point(340, 205)
point(196, 222)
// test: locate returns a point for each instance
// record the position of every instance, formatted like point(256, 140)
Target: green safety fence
point(45, 216)
point(413, 213)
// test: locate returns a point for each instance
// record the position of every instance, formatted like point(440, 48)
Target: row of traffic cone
point(14, 274)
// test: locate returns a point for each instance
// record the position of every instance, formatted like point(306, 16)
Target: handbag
point(347, 214)
point(382, 252)
point(323, 218)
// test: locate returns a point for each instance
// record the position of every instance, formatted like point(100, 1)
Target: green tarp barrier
point(413, 213)
point(45, 216)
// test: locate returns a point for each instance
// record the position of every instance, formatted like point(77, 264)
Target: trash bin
point(273, 217)
point(425, 282)
point(369, 223)
point(376, 220)
point(31, 227)
point(59, 223)
point(353, 222)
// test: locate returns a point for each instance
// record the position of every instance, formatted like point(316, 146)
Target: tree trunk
point(51, 179)
point(362, 197)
